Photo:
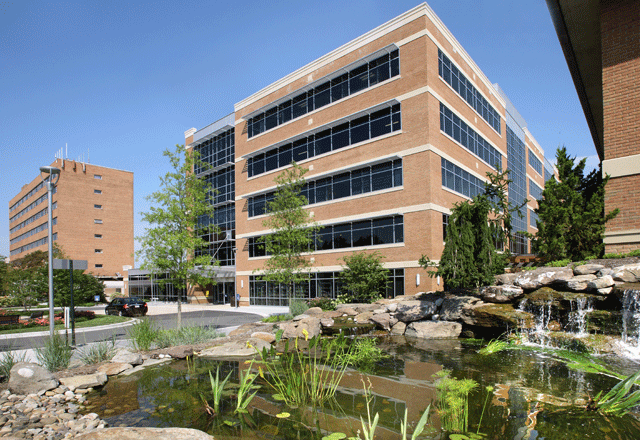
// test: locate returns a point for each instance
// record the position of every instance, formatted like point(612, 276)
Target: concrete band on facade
point(426, 194)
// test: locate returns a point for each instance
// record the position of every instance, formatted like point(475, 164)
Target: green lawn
point(99, 320)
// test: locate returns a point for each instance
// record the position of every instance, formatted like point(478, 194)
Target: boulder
point(144, 434)
point(601, 283)
point(501, 294)
point(625, 275)
point(348, 311)
point(363, 318)
point(417, 310)
point(295, 329)
point(330, 314)
point(498, 316)
point(235, 349)
point(313, 311)
point(327, 322)
point(580, 283)
point(586, 269)
point(28, 378)
point(433, 329)
point(534, 279)
point(124, 356)
point(454, 307)
point(506, 278)
point(113, 368)
point(84, 381)
point(265, 336)
point(384, 320)
point(399, 328)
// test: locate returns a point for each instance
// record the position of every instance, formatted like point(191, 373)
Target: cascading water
point(542, 313)
point(631, 317)
point(580, 308)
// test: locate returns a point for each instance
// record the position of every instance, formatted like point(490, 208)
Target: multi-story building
point(394, 127)
point(601, 42)
point(92, 217)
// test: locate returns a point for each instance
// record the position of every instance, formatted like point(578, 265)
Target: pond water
point(535, 396)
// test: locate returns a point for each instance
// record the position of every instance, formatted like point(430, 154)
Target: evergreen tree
point(571, 216)
point(175, 233)
point(292, 230)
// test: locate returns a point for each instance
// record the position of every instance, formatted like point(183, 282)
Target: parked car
point(126, 307)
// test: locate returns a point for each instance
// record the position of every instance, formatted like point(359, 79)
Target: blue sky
point(121, 81)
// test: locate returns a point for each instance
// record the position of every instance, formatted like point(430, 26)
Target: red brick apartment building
point(395, 127)
point(92, 217)
point(601, 42)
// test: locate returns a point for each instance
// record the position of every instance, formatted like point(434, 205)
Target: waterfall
point(631, 317)
point(580, 308)
point(539, 335)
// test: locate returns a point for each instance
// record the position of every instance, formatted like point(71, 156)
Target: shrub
point(142, 334)
point(278, 318)
point(297, 306)
point(55, 355)
point(323, 302)
point(186, 335)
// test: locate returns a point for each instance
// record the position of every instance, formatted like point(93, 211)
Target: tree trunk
point(179, 317)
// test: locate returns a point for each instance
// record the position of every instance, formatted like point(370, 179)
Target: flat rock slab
point(433, 329)
point(113, 368)
point(84, 381)
point(126, 357)
point(144, 434)
point(235, 349)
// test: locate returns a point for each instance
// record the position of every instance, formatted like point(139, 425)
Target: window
point(98, 265)
point(98, 251)
point(97, 206)
point(460, 181)
point(359, 78)
point(362, 180)
point(217, 151)
point(370, 232)
point(445, 223)
point(97, 176)
point(534, 190)
point(535, 163)
point(97, 221)
point(348, 131)
point(97, 235)
point(452, 125)
point(97, 191)
point(467, 91)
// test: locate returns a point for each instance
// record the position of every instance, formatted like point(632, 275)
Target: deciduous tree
point(364, 278)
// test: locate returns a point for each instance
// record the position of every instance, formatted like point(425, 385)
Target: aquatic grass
point(453, 401)
point(97, 352)
point(494, 346)
point(217, 387)
point(369, 428)
point(489, 390)
point(618, 401)
point(305, 379)
point(422, 423)
point(245, 388)
point(363, 355)
point(143, 334)
point(55, 355)
point(7, 360)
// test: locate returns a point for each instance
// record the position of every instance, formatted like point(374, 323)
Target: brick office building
point(601, 42)
point(92, 217)
point(395, 127)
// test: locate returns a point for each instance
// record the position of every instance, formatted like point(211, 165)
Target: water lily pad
point(283, 415)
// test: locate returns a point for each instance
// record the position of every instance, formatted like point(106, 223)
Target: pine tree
point(571, 216)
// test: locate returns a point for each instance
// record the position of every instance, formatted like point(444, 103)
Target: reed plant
point(422, 423)
point(619, 400)
point(453, 401)
point(98, 352)
point(143, 334)
point(217, 387)
point(301, 378)
point(55, 355)
point(245, 395)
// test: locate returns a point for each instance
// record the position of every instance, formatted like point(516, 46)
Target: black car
point(126, 307)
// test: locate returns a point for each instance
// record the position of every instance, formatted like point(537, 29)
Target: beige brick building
point(601, 42)
point(395, 127)
point(92, 217)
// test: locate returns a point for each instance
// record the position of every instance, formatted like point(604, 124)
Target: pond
point(534, 396)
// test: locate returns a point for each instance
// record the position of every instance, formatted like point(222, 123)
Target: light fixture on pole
point(53, 174)
point(235, 277)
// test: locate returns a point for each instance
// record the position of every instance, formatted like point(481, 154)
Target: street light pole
point(235, 277)
point(51, 183)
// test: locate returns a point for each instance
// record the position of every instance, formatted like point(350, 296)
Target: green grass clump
point(494, 346)
point(7, 361)
point(98, 352)
point(278, 318)
point(55, 355)
point(619, 400)
point(143, 334)
point(453, 401)
point(559, 263)
point(363, 355)
point(297, 306)
point(185, 335)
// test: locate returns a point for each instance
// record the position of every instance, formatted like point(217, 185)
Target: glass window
point(340, 136)
point(381, 176)
point(362, 233)
point(322, 95)
point(339, 87)
point(323, 142)
point(341, 185)
point(97, 191)
point(342, 236)
point(299, 105)
point(97, 176)
point(382, 230)
point(299, 150)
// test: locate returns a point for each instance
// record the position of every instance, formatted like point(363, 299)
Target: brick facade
point(83, 201)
